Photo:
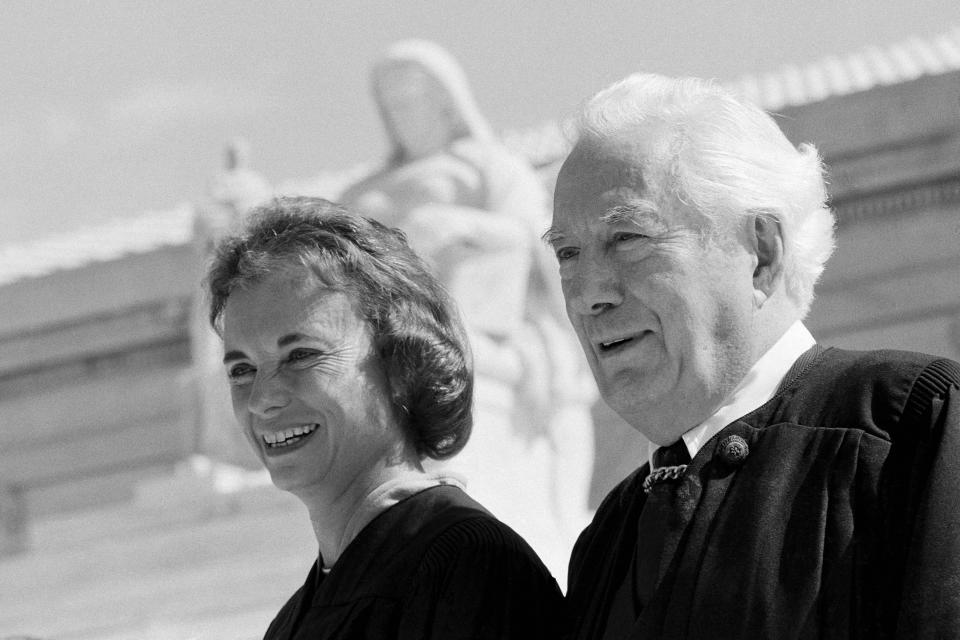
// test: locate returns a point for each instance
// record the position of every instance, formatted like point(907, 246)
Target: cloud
point(61, 127)
point(25, 136)
point(141, 113)
point(156, 106)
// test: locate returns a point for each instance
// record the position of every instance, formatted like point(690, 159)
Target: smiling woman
point(348, 368)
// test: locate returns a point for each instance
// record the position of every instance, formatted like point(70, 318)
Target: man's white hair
point(726, 158)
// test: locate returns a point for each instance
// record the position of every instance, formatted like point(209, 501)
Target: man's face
point(662, 312)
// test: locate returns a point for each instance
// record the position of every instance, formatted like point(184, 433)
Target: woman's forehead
point(284, 304)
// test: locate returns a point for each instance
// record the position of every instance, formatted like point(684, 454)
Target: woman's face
point(416, 109)
point(308, 388)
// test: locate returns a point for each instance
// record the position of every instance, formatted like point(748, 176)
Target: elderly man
point(795, 491)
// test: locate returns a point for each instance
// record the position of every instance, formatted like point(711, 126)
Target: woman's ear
point(767, 239)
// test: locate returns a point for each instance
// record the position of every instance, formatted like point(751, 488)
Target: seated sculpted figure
point(475, 211)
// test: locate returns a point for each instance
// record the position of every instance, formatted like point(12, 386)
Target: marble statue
point(475, 212)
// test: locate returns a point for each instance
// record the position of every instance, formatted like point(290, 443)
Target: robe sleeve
point(930, 601)
point(480, 580)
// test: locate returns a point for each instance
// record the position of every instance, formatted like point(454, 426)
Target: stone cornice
point(835, 100)
point(899, 201)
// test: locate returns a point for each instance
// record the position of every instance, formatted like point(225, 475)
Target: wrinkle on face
point(684, 302)
point(311, 360)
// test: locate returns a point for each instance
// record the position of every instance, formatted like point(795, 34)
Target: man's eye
point(626, 236)
point(565, 253)
point(241, 373)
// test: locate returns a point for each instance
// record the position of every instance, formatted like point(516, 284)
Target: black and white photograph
point(452, 320)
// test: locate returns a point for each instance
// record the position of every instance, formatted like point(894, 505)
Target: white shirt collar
point(757, 387)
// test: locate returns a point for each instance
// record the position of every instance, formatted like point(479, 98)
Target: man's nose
point(596, 287)
point(268, 395)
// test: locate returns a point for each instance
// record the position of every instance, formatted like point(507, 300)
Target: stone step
point(189, 567)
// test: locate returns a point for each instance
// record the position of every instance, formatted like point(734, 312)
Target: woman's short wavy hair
point(417, 330)
point(726, 158)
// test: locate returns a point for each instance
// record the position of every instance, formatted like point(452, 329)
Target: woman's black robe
point(435, 565)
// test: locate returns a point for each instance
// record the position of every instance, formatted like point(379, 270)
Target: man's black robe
point(435, 565)
point(842, 522)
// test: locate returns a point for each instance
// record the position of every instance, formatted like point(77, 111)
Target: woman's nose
point(268, 395)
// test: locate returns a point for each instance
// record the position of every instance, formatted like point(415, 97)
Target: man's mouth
point(613, 345)
point(279, 440)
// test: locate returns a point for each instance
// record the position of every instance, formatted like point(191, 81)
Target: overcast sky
point(111, 108)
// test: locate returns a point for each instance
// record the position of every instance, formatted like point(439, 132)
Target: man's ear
point(767, 239)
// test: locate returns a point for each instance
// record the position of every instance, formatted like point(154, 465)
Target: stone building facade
point(97, 420)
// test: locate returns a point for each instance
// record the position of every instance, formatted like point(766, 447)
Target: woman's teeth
point(288, 436)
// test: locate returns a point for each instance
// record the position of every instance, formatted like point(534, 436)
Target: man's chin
point(630, 393)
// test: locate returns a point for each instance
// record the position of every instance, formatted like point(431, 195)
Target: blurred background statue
point(231, 193)
point(475, 212)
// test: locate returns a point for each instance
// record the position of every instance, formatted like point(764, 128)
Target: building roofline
point(791, 85)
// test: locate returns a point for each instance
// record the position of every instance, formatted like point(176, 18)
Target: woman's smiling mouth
point(287, 439)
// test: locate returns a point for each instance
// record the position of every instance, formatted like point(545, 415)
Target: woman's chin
point(284, 480)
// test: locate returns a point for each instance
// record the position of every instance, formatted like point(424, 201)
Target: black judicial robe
point(435, 565)
point(843, 521)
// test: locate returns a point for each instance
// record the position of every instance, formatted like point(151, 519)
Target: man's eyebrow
point(634, 212)
point(552, 236)
point(230, 356)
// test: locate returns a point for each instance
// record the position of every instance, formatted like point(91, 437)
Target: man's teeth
point(613, 343)
point(288, 436)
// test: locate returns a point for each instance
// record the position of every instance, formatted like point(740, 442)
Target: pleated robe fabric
point(842, 522)
point(435, 565)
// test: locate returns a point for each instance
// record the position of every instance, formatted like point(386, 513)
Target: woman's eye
point(301, 355)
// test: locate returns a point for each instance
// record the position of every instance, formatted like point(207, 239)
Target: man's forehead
point(634, 157)
point(604, 165)
point(600, 177)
